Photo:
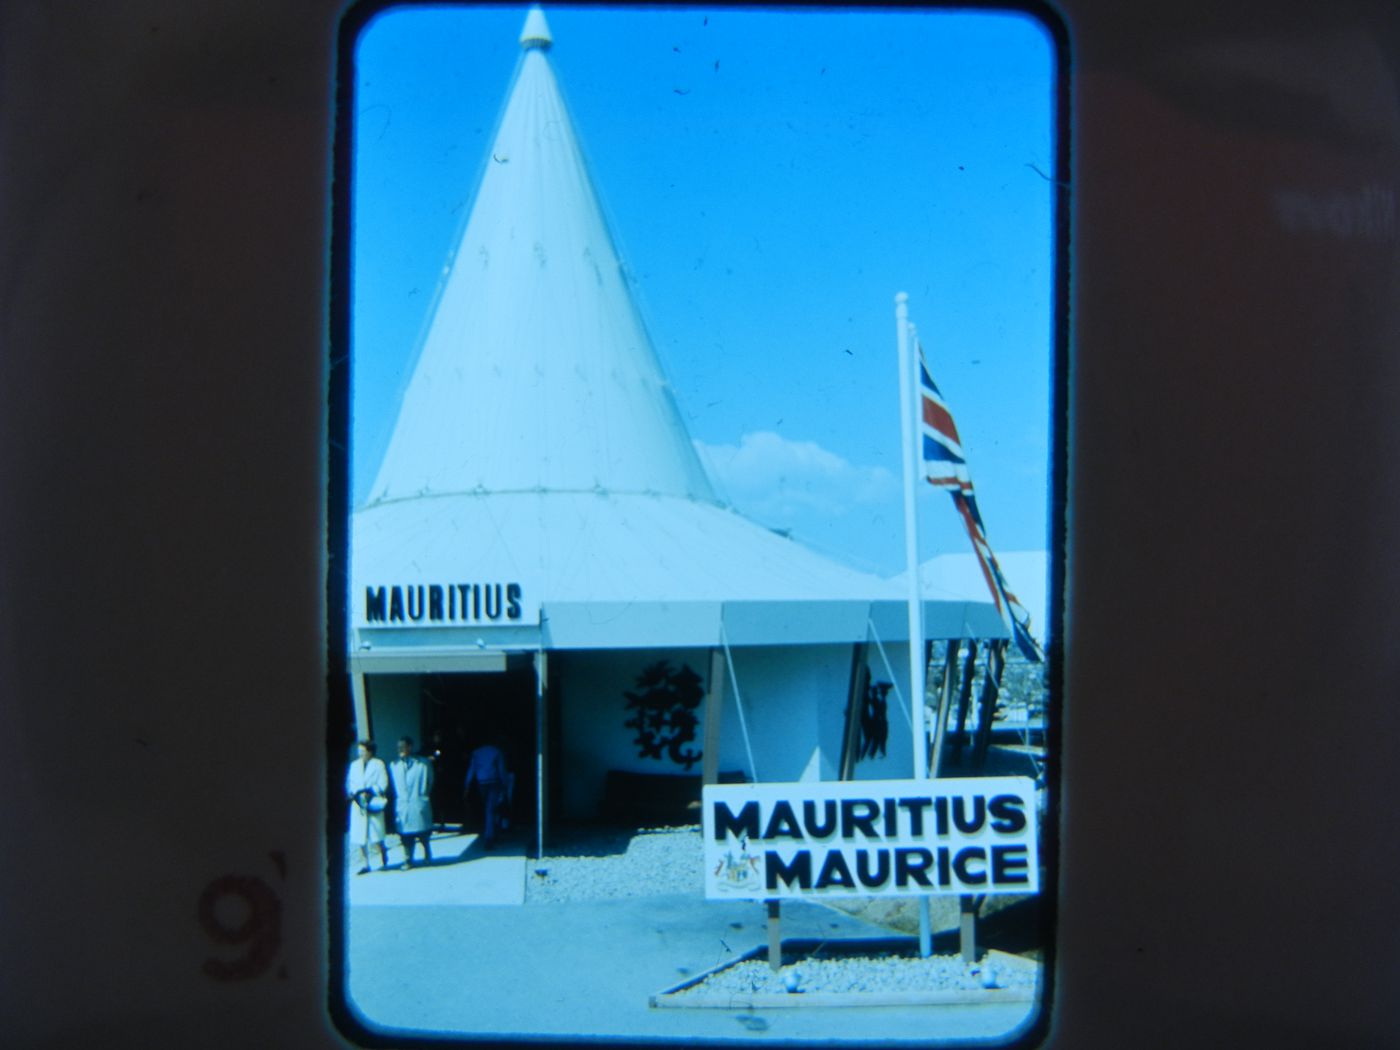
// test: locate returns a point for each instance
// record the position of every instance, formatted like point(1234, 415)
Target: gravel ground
point(607, 865)
point(596, 865)
point(862, 973)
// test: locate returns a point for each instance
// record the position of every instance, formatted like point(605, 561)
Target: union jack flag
point(945, 467)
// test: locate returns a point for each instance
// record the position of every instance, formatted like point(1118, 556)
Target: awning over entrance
point(655, 625)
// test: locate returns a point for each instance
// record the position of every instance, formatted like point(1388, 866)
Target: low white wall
point(794, 698)
point(594, 708)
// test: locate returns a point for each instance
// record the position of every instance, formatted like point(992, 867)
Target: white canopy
point(599, 570)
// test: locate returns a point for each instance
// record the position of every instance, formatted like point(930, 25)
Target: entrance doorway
point(459, 713)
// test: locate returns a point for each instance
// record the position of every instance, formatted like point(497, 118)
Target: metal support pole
point(714, 711)
point(357, 692)
point(855, 700)
point(541, 685)
point(775, 935)
point(909, 405)
point(908, 398)
point(991, 690)
point(945, 704)
point(739, 704)
point(965, 695)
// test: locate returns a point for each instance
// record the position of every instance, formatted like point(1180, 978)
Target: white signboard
point(870, 838)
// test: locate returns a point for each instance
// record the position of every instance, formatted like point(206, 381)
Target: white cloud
point(778, 481)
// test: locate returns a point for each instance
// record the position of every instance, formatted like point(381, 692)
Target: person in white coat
point(413, 784)
point(367, 788)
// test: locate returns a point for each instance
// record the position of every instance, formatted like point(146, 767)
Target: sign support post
point(775, 935)
point(967, 927)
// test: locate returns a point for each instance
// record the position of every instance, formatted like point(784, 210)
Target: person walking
point(488, 769)
point(413, 785)
point(367, 788)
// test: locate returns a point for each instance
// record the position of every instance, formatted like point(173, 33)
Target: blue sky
point(771, 181)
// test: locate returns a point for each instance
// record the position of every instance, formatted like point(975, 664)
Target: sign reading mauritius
point(895, 838)
point(438, 604)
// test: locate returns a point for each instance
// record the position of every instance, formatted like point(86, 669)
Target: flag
point(945, 467)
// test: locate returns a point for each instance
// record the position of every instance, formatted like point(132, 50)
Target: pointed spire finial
point(536, 31)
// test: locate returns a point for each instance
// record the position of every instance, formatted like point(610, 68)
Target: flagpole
point(909, 412)
point(908, 396)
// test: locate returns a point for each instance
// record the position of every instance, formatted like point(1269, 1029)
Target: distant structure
point(542, 556)
point(955, 576)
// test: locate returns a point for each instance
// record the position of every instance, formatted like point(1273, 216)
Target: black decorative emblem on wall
point(665, 720)
point(874, 721)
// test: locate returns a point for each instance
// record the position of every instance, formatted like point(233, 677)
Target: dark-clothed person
point(488, 769)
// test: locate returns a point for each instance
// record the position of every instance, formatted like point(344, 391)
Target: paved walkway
point(421, 964)
point(461, 873)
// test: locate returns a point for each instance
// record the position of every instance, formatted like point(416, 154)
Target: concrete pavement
point(417, 963)
point(461, 873)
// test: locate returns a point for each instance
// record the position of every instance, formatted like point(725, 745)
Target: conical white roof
point(536, 373)
point(539, 446)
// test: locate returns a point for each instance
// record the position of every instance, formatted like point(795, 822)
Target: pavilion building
point(542, 556)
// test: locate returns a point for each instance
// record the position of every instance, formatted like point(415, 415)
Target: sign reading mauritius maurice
point(895, 838)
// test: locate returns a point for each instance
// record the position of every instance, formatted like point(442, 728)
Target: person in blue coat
point(488, 770)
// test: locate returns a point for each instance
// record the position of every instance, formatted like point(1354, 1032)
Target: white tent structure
point(541, 530)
